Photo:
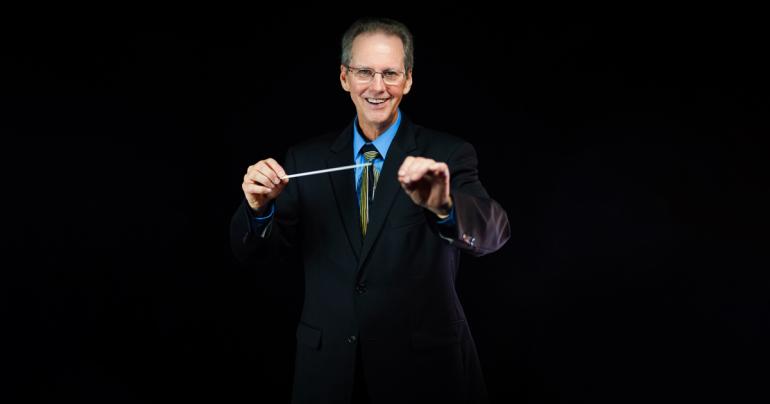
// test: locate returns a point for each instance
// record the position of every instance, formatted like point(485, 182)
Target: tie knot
point(370, 152)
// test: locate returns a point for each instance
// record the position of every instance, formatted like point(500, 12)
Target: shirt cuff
point(261, 224)
point(265, 218)
point(449, 220)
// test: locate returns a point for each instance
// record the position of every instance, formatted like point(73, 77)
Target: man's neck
point(372, 132)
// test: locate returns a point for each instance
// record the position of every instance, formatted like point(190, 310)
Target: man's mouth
point(376, 101)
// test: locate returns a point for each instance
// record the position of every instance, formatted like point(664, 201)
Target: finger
point(412, 177)
point(255, 189)
point(265, 167)
point(419, 169)
point(268, 172)
point(404, 169)
point(439, 169)
point(254, 166)
point(413, 164)
point(279, 171)
point(258, 178)
point(406, 177)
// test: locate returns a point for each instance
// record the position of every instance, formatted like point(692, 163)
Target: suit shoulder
point(431, 139)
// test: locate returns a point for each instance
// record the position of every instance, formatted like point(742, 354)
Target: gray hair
point(378, 25)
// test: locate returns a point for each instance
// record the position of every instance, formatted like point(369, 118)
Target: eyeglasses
point(366, 75)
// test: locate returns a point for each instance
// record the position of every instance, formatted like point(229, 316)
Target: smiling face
point(376, 102)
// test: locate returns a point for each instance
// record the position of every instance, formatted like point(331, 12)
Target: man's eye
point(366, 72)
point(389, 74)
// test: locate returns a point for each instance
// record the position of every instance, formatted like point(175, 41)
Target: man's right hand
point(262, 183)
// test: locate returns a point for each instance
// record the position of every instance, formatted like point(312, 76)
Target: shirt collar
point(382, 143)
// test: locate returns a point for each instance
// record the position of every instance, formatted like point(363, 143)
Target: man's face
point(376, 102)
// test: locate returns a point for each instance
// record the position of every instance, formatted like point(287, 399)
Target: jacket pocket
point(308, 336)
point(440, 336)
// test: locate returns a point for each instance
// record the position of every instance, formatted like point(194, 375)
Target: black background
point(628, 150)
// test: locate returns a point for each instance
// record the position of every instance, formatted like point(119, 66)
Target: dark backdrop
point(628, 151)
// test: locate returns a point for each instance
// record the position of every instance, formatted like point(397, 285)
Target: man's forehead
point(378, 48)
point(377, 42)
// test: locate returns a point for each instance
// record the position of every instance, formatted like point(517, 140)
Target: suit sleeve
point(481, 223)
point(249, 243)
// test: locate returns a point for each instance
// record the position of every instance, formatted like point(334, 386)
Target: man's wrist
point(264, 212)
point(445, 210)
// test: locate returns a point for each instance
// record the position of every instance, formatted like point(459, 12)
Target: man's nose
point(377, 82)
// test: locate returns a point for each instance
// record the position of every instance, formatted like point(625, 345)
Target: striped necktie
point(369, 177)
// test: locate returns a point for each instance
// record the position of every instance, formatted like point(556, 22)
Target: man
point(380, 244)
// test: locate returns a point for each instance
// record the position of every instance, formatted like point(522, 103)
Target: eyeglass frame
point(401, 74)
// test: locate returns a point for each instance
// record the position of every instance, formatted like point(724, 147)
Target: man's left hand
point(426, 181)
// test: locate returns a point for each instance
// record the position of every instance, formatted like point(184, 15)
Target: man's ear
point(408, 84)
point(344, 78)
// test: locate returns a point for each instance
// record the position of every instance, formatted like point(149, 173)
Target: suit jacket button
point(360, 288)
point(351, 339)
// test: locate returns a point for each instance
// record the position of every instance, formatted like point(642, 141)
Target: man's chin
point(378, 117)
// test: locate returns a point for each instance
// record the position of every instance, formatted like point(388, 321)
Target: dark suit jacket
point(392, 292)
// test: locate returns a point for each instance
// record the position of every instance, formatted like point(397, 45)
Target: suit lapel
point(343, 183)
point(387, 185)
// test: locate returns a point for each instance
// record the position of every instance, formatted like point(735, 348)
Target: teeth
point(375, 101)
